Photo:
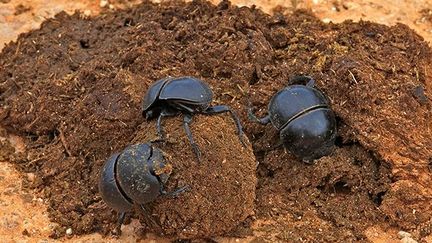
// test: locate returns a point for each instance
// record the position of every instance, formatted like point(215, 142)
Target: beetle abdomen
point(292, 101)
point(310, 135)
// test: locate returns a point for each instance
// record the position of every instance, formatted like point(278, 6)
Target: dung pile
point(73, 89)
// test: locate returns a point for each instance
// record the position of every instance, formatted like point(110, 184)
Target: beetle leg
point(159, 127)
point(163, 113)
point(180, 106)
point(224, 108)
point(162, 178)
point(162, 183)
point(148, 217)
point(117, 229)
point(173, 193)
point(264, 121)
point(187, 119)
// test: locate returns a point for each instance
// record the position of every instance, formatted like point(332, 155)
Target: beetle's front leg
point(174, 193)
point(252, 117)
point(224, 108)
point(187, 119)
point(163, 113)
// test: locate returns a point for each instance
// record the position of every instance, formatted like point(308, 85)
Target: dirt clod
point(73, 89)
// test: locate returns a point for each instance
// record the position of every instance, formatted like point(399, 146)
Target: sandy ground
point(23, 217)
point(18, 16)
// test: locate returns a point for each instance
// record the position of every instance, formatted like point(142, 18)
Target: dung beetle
point(169, 96)
point(136, 175)
point(304, 119)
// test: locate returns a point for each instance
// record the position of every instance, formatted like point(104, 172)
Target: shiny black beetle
point(135, 176)
point(304, 119)
point(168, 96)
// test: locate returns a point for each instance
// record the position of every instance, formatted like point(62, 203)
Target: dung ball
point(221, 186)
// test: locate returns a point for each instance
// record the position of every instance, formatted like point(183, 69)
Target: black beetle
point(168, 96)
point(135, 176)
point(304, 119)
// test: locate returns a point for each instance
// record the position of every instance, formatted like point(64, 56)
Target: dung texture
point(73, 89)
point(220, 187)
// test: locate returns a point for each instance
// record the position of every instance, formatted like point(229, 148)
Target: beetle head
point(151, 113)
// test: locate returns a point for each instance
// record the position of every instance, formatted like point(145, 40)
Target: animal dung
point(221, 187)
point(76, 104)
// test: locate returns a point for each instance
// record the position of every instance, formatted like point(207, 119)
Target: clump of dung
point(221, 186)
